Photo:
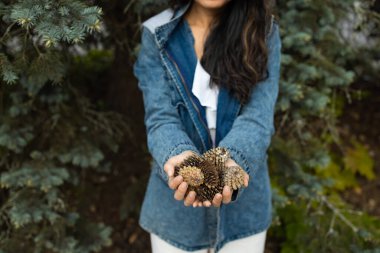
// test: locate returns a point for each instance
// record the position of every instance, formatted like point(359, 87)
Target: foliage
point(50, 135)
point(56, 130)
point(310, 163)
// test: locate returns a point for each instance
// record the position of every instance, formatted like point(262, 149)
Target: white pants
point(251, 244)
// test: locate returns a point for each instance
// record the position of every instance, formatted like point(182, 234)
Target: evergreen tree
point(56, 129)
point(50, 135)
point(310, 163)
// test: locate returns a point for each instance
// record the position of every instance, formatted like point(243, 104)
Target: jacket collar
point(163, 31)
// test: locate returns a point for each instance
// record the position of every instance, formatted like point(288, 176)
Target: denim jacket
point(175, 121)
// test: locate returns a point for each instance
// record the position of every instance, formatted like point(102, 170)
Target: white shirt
point(207, 97)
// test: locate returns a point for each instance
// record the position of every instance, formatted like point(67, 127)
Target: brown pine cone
point(218, 156)
point(193, 160)
point(207, 174)
point(192, 175)
point(211, 175)
point(207, 193)
point(233, 176)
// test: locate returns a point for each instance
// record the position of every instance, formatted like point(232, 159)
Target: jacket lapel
point(180, 51)
point(186, 60)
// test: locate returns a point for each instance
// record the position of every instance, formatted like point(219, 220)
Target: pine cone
point(207, 174)
point(193, 160)
point(207, 193)
point(233, 177)
point(211, 175)
point(191, 175)
point(218, 156)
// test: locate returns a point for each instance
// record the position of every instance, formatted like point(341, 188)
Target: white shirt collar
point(207, 97)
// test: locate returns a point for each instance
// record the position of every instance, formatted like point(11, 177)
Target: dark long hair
point(235, 53)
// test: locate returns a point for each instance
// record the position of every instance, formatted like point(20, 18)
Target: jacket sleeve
point(166, 136)
point(252, 130)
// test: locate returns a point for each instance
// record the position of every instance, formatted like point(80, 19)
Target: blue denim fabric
point(175, 122)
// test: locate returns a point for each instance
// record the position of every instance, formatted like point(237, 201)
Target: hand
point(176, 183)
point(226, 195)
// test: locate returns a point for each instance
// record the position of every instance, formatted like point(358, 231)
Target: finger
point(227, 193)
point(246, 180)
point(169, 168)
point(199, 203)
point(181, 191)
point(190, 198)
point(206, 203)
point(217, 200)
point(175, 181)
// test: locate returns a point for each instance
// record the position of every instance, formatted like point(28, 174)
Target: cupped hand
point(177, 183)
point(226, 195)
point(180, 187)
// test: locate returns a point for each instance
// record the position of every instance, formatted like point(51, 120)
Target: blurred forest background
point(73, 157)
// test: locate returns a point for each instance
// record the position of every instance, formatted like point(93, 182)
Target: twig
point(7, 31)
point(339, 214)
point(126, 9)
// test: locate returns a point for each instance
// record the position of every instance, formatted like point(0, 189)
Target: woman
point(236, 45)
